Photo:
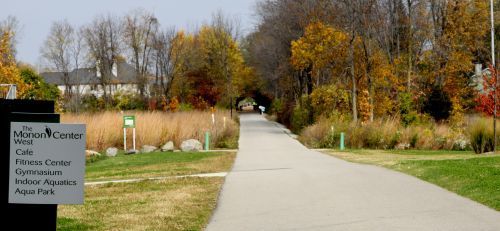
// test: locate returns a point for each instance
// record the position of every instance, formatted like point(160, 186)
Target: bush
point(185, 107)
point(326, 99)
point(277, 106)
point(481, 136)
point(322, 134)
point(408, 115)
point(300, 118)
point(90, 103)
point(128, 101)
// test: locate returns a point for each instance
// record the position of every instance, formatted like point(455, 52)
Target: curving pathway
point(278, 184)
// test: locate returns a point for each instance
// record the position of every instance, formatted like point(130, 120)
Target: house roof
point(88, 76)
point(76, 77)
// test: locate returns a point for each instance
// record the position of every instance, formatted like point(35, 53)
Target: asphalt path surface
point(278, 184)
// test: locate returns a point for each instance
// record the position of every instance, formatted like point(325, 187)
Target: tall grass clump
point(384, 133)
point(481, 136)
point(104, 129)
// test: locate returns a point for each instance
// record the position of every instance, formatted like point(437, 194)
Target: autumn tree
point(485, 102)
point(318, 51)
point(12, 26)
point(455, 47)
point(9, 73)
point(168, 53)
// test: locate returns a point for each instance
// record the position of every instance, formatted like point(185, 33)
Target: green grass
point(169, 204)
point(470, 175)
point(157, 164)
point(475, 178)
point(173, 204)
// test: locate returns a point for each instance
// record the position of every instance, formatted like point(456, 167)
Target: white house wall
point(98, 91)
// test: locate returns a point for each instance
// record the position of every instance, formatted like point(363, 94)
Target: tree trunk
point(410, 40)
point(353, 80)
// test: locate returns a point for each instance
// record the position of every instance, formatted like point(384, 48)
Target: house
point(87, 81)
point(477, 78)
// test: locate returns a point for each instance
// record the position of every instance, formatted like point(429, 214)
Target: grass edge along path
point(158, 164)
point(172, 203)
point(476, 177)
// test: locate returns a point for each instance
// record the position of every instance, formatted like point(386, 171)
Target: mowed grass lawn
point(157, 165)
point(465, 173)
point(170, 204)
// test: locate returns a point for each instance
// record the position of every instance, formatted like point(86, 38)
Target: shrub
point(408, 115)
point(395, 140)
point(299, 118)
point(481, 136)
point(185, 107)
point(277, 106)
point(174, 104)
point(302, 115)
point(128, 101)
point(329, 98)
point(90, 103)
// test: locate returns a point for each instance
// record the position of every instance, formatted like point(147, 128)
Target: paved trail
point(278, 184)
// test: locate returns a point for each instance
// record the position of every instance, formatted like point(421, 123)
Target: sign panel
point(47, 163)
point(128, 121)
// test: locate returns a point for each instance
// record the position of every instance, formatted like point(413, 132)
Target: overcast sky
point(36, 16)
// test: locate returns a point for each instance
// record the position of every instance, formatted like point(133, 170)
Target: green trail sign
point(128, 121)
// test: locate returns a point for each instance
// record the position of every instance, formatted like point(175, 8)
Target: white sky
point(36, 16)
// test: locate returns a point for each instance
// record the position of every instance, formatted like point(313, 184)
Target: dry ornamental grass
point(156, 128)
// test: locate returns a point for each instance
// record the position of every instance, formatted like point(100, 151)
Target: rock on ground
point(191, 145)
point(148, 149)
point(168, 147)
point(111, 152)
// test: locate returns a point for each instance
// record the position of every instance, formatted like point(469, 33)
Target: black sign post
point(23, 216)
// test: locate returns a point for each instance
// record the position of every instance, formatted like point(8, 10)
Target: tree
point(486, 98)
point(9, 74)
point(172, 53)
point(139, 31)
point(39, 89)
point(11, 25)
point(58, 52)
point(318, 50)
point(102, 38)
point(221, 56)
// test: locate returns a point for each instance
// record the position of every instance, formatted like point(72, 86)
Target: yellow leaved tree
point(9, 73)
point(318, 49)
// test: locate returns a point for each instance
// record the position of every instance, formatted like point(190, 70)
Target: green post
point(207, 140)
point(342, 147)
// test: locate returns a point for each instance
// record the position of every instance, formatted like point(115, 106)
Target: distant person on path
point(262, 109)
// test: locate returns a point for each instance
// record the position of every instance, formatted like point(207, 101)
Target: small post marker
point(128, 122)
point(207, 141)
point(342, 147)
point(213, 115)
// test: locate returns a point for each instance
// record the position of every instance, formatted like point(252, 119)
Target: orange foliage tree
point(485, 102)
